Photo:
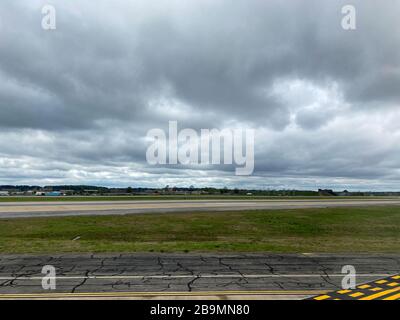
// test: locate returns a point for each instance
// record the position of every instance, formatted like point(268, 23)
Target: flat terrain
point(344, 229)
point(221, 275)
point(265, 254)
point(95, 208)
point(176, 197)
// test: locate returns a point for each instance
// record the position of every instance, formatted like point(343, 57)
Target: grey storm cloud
point(76, 102)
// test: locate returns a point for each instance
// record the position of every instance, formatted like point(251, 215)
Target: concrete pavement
point(70, 208)
point(149, 276)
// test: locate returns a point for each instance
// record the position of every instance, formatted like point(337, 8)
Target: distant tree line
point(100, 190)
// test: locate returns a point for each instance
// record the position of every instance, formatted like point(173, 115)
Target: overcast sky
point(76, 102)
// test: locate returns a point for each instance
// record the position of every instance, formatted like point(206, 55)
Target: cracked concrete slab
point(190, 273)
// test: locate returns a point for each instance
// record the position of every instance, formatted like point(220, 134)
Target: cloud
point(76, 103)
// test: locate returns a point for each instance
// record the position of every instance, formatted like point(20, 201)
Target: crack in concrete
point(102, 261)
point(326, 278)
point(271, 269)
point(159, 262)
point(234, 270)
point(189, 269)
point(82, 282)
point(191, 282)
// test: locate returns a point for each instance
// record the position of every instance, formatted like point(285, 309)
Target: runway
point(165, 276)
point(71, 208)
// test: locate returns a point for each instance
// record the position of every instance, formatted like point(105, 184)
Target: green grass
point(172, 197)
point(369, 229)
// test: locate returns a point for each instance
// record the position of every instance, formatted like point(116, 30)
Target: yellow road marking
point(343, 291)
point(136, 294)
point(388, 290)
point(364, 286)
point(356, 294)
point(322, 297)
point(393, 284)
point(394, 297)
point(380, 294)
point(381, 281)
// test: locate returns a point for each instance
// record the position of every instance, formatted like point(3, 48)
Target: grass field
point(173, 197)
point(372, 229)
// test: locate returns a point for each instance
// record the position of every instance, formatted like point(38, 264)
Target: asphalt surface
point(72, 208)
point(151, 275)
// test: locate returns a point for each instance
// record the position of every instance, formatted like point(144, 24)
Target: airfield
point(77, 208)
point(200, 248)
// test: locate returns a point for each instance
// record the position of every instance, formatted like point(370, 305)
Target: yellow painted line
point(324, 297)
point(380, 294)
point(343, 291)
point(381, 281)
point(389, 290)
point(394, 297)
point(135, 294)
point(356, 294)
point(365, 286)
point(392, 284)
